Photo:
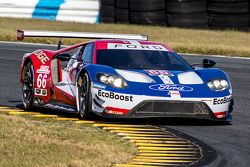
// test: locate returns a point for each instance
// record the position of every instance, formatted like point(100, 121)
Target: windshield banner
point(136, 47)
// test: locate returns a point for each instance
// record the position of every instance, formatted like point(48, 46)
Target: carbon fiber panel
point(168, 108)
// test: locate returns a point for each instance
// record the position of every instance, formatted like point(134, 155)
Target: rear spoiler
point(88, 35)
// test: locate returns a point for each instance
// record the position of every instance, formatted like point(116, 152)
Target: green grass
point(26, 142)
point(231, 43)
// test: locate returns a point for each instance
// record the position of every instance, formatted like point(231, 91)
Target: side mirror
point(63, 57)
point(208, 63)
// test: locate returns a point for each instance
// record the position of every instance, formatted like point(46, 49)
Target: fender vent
point(55, 71)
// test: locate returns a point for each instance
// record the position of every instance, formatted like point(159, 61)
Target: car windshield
point(141, 59)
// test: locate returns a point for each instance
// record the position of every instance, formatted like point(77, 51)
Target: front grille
point(171, 108)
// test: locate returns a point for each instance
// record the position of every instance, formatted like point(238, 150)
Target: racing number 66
point(41, 81)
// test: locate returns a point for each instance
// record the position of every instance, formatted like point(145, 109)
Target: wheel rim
point(27, 86)
point(83, 95)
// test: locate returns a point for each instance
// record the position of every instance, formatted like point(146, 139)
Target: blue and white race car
point(123, 76)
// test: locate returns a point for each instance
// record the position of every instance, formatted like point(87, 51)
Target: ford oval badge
point(169, 87)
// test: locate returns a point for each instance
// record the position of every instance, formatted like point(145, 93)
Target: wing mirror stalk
point(206, 63)
point(63, 57)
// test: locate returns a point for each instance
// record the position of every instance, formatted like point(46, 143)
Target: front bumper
point(117, 105)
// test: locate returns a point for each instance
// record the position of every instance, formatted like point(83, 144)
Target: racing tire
point(107, 2)
point(228, 8)
point(28, 86)
point(122, 15)
point(227, 1)
point(107, 11)
point(147, 5)
point(107, 14)
point(193, 20)
point(228, 21)
point(153, 18)
point(84, 97)
point(124, 4)
point(178, 7)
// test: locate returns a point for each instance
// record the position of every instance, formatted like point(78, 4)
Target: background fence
point(63, 10)
point(213, 14)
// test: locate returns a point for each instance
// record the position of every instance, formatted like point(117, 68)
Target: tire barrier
point(213, 14)
point(107, 11)
point(233, 14)
point(187, 13)
point(156, 146)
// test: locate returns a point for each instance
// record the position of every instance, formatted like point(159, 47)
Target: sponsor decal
point(136, 47)
point(117, 111)
point(113, 112)
point(171, 87)
point(44, 92)
point(41, 56)
point(116, 96)
point(43, 70)
point(98, 86)
point(159, 72)
point(174, 94)
point(40, 92)
point(223, 100)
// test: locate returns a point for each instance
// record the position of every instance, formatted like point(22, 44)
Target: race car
point(122, 76)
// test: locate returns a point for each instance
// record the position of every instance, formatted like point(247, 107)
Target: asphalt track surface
point(231, 142)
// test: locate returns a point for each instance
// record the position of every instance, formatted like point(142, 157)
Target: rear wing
point(21, 34)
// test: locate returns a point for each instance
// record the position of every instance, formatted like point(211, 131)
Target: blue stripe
point(97, 21)
point(47, 9)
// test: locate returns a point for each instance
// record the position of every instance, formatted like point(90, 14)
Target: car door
point(83, 57)
point(64, 90)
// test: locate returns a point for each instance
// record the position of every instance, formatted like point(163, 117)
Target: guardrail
point(62, 10)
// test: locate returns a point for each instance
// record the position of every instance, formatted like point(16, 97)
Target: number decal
point(41, 81)
point(159, 72)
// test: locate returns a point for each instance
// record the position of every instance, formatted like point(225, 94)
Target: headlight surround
point(218, 84)
point(112, 80)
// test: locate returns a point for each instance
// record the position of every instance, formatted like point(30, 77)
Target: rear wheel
point(28, 86)
point(84, 97)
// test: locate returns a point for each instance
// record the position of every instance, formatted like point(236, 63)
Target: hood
point(161, 76)
point(167, 83)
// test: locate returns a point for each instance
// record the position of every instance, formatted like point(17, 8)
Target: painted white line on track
point(32, 44)
point(219, 56)
point(185, 54)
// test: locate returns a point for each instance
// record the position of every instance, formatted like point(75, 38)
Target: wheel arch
point(25, 62)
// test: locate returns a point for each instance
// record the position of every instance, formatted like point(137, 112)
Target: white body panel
point(136, 99)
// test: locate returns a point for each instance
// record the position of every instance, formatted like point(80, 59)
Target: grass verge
point(231, 43)
point(25, 141)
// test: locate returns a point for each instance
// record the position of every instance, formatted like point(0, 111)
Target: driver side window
point(87, 55)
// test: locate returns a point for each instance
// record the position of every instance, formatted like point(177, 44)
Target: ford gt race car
point(122, 76)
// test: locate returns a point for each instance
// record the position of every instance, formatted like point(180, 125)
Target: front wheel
point(84, 98)
point(28, 86)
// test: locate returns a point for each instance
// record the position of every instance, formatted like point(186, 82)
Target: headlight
point(218, 84)
point(112, 80)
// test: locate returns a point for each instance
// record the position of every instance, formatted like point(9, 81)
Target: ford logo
point(168, 87)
